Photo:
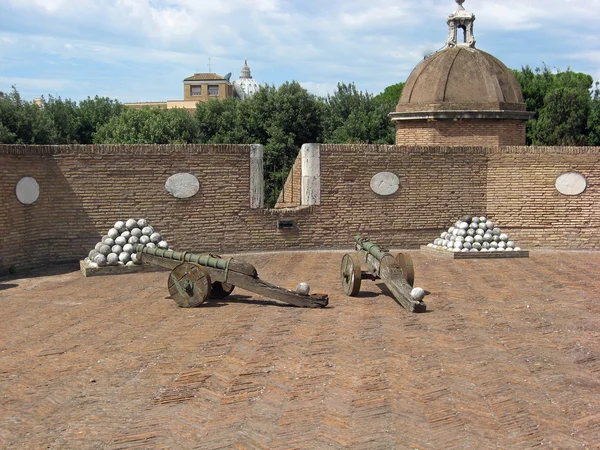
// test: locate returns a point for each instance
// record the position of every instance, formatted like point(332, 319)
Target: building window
point(213, 91)
point(196, 91)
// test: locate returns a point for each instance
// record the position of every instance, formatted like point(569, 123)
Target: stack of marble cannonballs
point(474, 234)
point(117, 247)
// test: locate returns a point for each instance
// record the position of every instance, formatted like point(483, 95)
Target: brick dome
point(461, 79)
point(461, 95)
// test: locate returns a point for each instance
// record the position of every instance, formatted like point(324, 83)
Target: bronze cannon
point(396, 272)
point(194, 278)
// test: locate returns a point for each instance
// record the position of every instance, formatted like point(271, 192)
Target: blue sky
point(141, 50)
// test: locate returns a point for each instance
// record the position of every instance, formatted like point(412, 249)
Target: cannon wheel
point(350, 274)
point(405, 263)
point(189, 285)
point(220, 290)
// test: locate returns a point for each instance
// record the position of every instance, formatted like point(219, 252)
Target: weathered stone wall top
point(445, 150)
point(125, 149)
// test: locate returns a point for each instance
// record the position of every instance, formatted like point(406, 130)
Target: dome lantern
point(463, 20)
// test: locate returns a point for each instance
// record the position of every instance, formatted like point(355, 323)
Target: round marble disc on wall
point(385, 183)
point(571, 183)
point(28, 190)
point(182, 185)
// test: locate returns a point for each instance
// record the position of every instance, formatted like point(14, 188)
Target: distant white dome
point(245, 85)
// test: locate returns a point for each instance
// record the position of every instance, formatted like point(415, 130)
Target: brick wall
point(480, 132)
point(291, 194)
point(85, 189)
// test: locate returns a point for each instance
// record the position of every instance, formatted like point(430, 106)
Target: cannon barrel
point(203, 260)
point(371, 248)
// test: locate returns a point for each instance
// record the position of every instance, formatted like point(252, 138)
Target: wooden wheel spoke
point(189, 285)
point(350, 274)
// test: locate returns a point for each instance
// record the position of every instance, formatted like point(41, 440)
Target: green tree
point(354, 116)
point(149, 126)
point(563, 119)
point(23, 122)
point(65, 117)
point(223, 122)
point(594, 119)
point(93, 114)
point(390, 95)
point(536, 85)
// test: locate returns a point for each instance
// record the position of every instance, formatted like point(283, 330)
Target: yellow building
point(199, 88)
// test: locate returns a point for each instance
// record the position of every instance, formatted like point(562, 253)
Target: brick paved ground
point(508, 357)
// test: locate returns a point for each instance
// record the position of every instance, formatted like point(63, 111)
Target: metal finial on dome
point(463, 20)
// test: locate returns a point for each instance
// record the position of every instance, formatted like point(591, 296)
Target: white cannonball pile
point(474, 234)
point(117, 247)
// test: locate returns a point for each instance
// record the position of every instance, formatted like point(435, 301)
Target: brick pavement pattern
point(508, 357)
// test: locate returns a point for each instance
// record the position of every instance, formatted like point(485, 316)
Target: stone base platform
point(89, 271)
point(475, 255)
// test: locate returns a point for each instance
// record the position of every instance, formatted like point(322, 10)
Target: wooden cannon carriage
point(195, 278)
point(396, 272)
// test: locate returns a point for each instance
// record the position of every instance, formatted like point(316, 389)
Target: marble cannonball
point(109, 241)
point(120, 226)
point(147, 231)
point(151, 245)
point(117, 249)
point(120, 241)
point(100, 260)
point(113, 233)
point(135, 259)
point(489, 225)
point(130, 264)
point(124, 257)
point(496, 231)
point(137, 232)
point(504, 237)
point(112, 259)
point(133, 240)
point(128, 248)
point(145, 240)
point(131, 224)
point(155, 238)
point(510, 244)
point(93, 254)
point(126, 234)
point(142, 223)
point(418, 294)
point(303, 288)
point(105, 250)
point(98, 245)
point(163, 245)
